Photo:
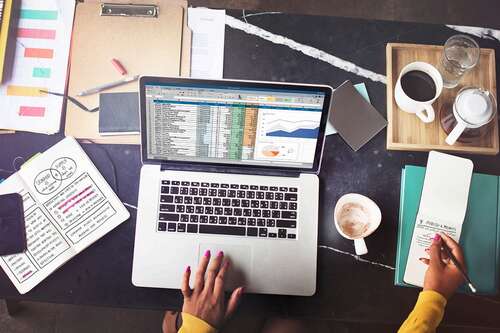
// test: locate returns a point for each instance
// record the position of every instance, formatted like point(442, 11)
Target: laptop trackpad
point(241, 261)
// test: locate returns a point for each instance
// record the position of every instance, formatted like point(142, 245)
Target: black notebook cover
point(12, 227)
point(119, 113)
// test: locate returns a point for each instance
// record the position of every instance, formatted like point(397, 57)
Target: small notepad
point(119, 114)
point(443, 206)
point(356, 120)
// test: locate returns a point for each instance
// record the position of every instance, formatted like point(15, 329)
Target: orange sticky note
point(39, 53)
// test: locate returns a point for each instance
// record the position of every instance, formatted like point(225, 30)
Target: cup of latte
point(356, 217)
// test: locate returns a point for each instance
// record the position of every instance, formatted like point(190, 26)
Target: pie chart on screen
point(271, 151)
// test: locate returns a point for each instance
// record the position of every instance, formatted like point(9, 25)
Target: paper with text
point(40, 64)
point(443, 206)
point(207, 49)
point(68, 206)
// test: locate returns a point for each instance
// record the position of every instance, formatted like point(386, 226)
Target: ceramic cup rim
point(431, 68)
point(356, 197)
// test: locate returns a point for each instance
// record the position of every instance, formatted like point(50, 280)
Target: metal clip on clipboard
point(129, 10)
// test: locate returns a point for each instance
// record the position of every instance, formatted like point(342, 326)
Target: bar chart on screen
point(41, 64)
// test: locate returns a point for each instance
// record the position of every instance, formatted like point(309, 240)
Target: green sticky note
point(41, 72)
point(33, 14)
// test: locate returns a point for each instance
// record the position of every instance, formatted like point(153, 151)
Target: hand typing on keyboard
point(206, 300)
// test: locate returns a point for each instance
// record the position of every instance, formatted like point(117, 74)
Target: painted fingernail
point(207, 253)
point(242, 290)
point(188, 269)
point(437, 237)
point(220, 254)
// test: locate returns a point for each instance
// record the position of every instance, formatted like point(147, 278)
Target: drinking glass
point(461, 54)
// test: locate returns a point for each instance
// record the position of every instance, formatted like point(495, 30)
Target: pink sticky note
point(32, 111)
point(36, 33)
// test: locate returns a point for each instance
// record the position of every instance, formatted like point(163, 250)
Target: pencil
point(108, 86)
point(460, 268)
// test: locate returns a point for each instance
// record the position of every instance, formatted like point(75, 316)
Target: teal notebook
point(480, 238)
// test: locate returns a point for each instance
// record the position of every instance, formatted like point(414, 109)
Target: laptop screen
point(233, 124)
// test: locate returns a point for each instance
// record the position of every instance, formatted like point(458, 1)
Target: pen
point(460, 268)
point(109, 85)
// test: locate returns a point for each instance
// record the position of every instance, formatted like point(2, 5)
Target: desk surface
point(348, 289)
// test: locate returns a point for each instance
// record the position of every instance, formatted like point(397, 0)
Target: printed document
point(207, 49)
point(40, 64)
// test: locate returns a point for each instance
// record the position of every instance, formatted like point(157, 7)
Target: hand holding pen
point(446, 270)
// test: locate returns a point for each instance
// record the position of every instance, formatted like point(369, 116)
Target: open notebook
point(67, 206)
point(480, 236)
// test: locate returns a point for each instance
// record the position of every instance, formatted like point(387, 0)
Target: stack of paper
point(40, 64)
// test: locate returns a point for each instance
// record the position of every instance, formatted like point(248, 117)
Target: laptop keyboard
point(228, 209)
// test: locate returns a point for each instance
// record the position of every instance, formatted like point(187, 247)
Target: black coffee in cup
point(418, 85)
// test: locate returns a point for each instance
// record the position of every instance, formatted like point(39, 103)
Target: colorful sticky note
point(36, 33)
point(25, 91)
point(38, 53)
point(33, 14)
point(40, 72)
point(31, 111)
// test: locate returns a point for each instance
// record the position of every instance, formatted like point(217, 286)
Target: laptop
point(230, 166)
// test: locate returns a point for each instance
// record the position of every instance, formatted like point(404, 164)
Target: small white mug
point(422, 109)
point(356, 217)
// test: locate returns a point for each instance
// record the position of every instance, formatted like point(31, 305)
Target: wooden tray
point(406, 132)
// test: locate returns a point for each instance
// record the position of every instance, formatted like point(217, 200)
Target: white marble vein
point(485, 33)
point(356, 257)
point(130, 206)
point(259, 14)
point(305, 49)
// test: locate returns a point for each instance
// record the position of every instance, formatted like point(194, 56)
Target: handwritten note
point(67, 207)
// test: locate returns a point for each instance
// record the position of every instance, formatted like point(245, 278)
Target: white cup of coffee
point(473, 108)
point(357, 217)
point(418, 86)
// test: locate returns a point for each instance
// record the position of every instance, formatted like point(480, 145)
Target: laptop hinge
point(220, 169)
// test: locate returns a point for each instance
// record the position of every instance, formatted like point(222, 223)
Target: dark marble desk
point(348, 289)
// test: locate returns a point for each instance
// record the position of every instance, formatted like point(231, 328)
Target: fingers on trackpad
point(241, 261)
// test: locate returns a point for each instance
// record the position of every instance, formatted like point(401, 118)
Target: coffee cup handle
point(429, 117)
point(360, 246)
point(455, 134)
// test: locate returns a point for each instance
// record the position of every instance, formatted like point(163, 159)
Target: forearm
point(426, 315)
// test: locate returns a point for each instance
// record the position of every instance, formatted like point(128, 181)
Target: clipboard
point(143, 43)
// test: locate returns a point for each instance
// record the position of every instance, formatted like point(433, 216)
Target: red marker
point(119, 67)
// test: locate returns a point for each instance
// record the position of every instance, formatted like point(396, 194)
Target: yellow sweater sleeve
point(427, 314)
point(192, 324)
